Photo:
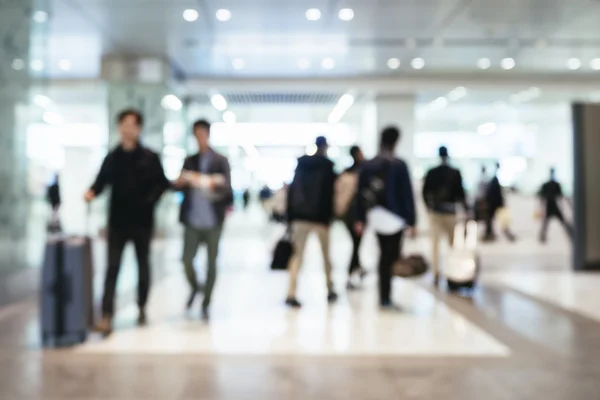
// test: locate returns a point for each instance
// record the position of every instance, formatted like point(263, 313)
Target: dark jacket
point(224, 194)
point(494, 196)
point(443, 188)
point(398, 188)
point(137, 181)
point(310, 196)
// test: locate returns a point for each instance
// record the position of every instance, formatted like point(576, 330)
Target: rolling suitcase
point(283, 253)
point(66, 298)
point(462, 268)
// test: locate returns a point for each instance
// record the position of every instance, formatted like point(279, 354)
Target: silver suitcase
point(462, 268)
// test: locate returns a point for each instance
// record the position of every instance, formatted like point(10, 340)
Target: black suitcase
point(283, 253)
point(66, 298)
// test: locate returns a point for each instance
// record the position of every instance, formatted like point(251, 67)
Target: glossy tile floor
point(529, 332)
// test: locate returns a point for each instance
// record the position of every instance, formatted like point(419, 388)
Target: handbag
point(412, 266)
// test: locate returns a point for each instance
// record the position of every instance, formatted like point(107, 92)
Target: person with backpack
point(550, 195)
point(345, 192)
point(310, 209)
point(442, 190)
point(385, 198)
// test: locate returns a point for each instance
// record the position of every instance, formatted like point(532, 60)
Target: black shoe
point(390, 307)
point(293, 302)
point(191, 299)
point(362, 273)
point(205, 314)
point(332, 297)
point(351, 286)
point(142, 321)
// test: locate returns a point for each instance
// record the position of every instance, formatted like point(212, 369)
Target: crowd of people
point(377, 192)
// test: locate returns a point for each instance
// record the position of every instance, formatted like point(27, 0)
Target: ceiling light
point(40, 16)
point(418, 63)
point(171, 102)
point(18, 64)
point(393, 63)
point(219, 102)
point(508, 63)
point(65, 64)
point(574, 64)
point(303, 63)
point(313, 14)
point(223, 15)
point(52, 118)
point(484, 63)
point(328, 63)
point(487, 129)
point(238, 63)
point(190, 15)
point(311, 149)
point(37, 65)
point(346, 14)
point(42, 101)
point(457, 93)
point(340, 109)
point(439, 103)
point(229, 117)
point(595, 64)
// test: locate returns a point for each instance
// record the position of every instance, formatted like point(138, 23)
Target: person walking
point(345, 193)
point(385, 198)
point(136, 177)
point(550, 195)
point(207, 193)
point(442, 190)
point(494, 199)
point(310, 209)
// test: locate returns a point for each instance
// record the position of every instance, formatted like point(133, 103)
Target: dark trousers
point(118, 237)
point(554, 213)
point(489, 222)
point(391, 248)
point(356, 239)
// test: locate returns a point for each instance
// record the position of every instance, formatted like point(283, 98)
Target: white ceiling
point(271, 36)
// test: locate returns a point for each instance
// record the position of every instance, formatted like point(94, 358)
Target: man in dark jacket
point(385, 197)
point(494, 200)
point(550, 195)
point(137, 179)
point(310, 209)
point(442, 190)
point(206, 184)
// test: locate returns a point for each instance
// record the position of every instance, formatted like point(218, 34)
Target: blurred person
point(345, 193)
point(54, 199)
point(265, 195)
point(385, 198)
point(137, 180)
point(550, 195)
point(246, 198)
point(278, 204)
point(310, 209)
point(480, 203)
point(207, 194)
point(494, 199)
point(442, 190)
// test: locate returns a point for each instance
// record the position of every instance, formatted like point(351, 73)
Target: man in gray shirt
point(206, 185)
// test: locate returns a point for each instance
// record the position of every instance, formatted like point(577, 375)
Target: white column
point(398, 111)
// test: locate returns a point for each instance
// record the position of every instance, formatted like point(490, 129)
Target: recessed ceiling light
point(238, 63)
point(394, 63)
point(65, 64)
point(229, 117)
point(418, 63)
point(328, 63)
point(574, 64)
point(37, 65)
point(595, 64)
point(313, 14)
point(40, 16)
point(303, 63)
point(190, 15)
point(219, 102)
point(508, 63)
point(171, 102)
point(484, 63)
point(457, 93)
point(346, 14)
point(18, 64)
point(223, 15)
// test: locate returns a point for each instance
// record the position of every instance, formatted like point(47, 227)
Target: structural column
point(586, 194)
point(385, 111)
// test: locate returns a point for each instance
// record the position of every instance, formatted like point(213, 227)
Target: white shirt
point(384, 221)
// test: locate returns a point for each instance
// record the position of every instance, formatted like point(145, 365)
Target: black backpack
point(374, 193)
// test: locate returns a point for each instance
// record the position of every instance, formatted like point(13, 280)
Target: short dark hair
point(443, 152)
point(354, 150)
point(139, 118)
point(201, 123)
point(389, 137)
